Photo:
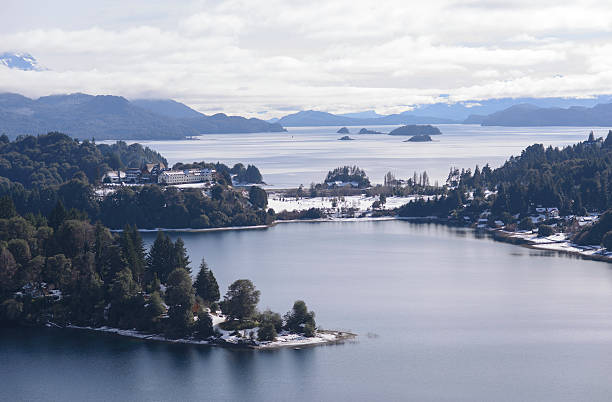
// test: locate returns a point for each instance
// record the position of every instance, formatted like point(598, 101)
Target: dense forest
point(41, 173)
point(66, 271)
point(576, 179)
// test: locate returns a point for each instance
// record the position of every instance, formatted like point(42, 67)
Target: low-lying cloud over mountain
point(341, 56)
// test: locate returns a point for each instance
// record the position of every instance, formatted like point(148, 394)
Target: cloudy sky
point(267, 58)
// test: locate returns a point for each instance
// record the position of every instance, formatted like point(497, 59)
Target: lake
point(442, 314)
point(304, 155)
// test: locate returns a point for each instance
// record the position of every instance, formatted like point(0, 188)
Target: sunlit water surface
point(304, 155)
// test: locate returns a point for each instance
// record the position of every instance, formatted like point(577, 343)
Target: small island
point(346, 138)
point(419, 138)
point(343, 130)
point(414, 129)
point(366, 131)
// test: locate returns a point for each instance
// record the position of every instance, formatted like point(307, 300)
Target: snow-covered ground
point(362, 203)
point(284, 339)
point(560, 242)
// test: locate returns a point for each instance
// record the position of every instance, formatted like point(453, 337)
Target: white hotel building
point(185, 176)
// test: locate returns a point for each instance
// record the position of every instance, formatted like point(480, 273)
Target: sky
point(269, 58)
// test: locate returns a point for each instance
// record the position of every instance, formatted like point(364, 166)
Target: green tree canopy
point(240, 301)
point(206, 284)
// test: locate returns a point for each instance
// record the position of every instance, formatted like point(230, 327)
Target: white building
point(185, 176)
point(114, 176)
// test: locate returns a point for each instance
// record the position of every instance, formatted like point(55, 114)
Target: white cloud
point(245, 57)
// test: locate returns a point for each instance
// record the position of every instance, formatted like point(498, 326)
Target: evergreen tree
point(58, 215)
point(266, 332)
point(206, 284)
point(180, 299)
point(180, 290)
point(258, 197)
point(181, 258)
point(608, 142)
point(125, 307)
point(160, 259)
point(240, 301)
point(152, 312)
point(132, 249)
point(204, 325)
point(299, 316)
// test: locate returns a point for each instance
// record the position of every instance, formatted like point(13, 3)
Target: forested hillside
point(42, 173)
point(574, 179)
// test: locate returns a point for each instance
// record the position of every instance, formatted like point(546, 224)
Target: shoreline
point(559, 246)
point(517, 238)
point(322, 337)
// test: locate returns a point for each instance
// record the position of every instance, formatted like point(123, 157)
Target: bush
point(309, 330)
point(266, 332)
point(545, 230)
point(204, 326)
point(525, 224)
point(607, 241)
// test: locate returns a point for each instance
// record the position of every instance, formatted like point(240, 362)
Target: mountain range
point(316, 118)
point(114, 117)
point(525, 115)
point(595, 111)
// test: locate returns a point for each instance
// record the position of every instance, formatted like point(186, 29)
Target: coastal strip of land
point(283, 340)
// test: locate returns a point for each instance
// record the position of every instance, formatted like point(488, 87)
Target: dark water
point(441, 315)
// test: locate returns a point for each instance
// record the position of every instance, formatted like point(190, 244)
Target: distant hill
point(311, 118)
point(166, 107)
point(114, 117)
point(529, 115)
point(467, 112)
point(463, 110)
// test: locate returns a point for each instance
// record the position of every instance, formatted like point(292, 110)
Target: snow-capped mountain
point(20, 61)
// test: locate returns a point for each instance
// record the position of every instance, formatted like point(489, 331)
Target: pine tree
point(240, 301)
point(181, 258)
point(608, 142)
point(132, 249)
point(58, 215)
point(180, 297)
point(206, 285)
point(139, 254)
point(160, 258)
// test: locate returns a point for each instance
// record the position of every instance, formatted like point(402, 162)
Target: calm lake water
point(304, 155)
point(440, 313)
